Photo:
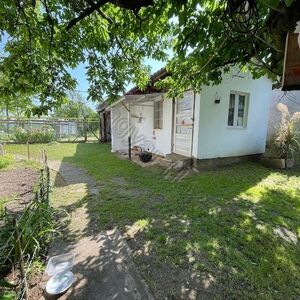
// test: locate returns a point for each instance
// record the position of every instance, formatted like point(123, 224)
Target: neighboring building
point(290, 98)
point(105, 121)
point(67, 128)
point(227, 122)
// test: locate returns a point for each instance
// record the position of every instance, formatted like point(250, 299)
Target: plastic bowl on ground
point(59, 283)
point(60, 264)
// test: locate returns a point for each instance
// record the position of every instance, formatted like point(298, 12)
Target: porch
point(153, 123)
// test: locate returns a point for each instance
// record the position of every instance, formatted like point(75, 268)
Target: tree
point(44, 38)
point(75, 108)
point(13, 103)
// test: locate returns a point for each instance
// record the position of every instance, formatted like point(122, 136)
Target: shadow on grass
point(103, 268)
point(211, 235)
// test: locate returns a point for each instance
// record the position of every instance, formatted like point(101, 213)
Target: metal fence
point(66, 130)
point(22, 235)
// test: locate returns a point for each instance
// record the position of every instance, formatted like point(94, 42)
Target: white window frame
point(158, 123)
point(236, 107)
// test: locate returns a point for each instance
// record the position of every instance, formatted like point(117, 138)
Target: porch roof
point(137, 99)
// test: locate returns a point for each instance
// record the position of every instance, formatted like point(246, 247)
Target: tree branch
point(110, 21)
point(26, 21)
point(88, 11)
point(134, 5)
point(51, 21)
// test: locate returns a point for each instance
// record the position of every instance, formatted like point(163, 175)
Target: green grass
point(5, 161)
point(219, 222)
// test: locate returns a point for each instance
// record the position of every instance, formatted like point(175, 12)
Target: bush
point(46, 134)
point(286, 138)
point(22, 135)
point(5, 160)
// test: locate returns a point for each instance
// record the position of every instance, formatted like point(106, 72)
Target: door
point(183, 123)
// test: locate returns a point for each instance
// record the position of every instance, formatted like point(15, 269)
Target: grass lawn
point(229, 233)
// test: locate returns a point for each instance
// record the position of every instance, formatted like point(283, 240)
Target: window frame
point(236, 108)
point(158, 122)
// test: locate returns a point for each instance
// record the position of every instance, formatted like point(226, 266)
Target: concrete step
point(179, 162)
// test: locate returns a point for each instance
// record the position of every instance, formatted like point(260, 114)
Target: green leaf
point(288, 3)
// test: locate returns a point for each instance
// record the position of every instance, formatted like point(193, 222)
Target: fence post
point(48, 183)
point(28, 151)
point(19, 253)
point(2, 152)
point(42, 186)
point(47, 170)
point(37, 196)
point(85, 130)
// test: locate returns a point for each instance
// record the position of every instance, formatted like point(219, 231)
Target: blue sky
point(79, 72)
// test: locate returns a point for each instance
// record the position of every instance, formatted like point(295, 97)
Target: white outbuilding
point(222, 124)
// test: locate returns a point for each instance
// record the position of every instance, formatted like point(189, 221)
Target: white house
point(222, 124)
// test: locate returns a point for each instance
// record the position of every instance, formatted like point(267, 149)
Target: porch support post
point(129, 132)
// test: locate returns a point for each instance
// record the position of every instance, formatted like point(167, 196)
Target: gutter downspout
point(193, 128)
point(173, 124)
point(129, 132)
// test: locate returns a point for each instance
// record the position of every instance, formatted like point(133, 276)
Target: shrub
point(46, 134)
point(5, 160)
point(286, 138)
point(22, 135)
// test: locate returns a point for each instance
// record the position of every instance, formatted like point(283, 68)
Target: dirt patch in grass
point(168, 281)
point(17, 187)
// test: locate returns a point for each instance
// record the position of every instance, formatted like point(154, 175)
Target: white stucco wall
point(142, 133)
point(119, 129)
point(162, 138)
point(214, 138)
point(142, 130)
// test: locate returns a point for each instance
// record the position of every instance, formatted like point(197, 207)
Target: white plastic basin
point(60, 264)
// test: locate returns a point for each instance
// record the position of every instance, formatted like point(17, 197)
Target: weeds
point(24, 239)
point(5, 160)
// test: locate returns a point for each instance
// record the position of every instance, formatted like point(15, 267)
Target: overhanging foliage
point(43, 39)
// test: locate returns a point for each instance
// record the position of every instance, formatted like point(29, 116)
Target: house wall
point(119, 128)
point(162, 138)
point(214, 138)
point(291, 99)
point(142, 133)
point(142, 128)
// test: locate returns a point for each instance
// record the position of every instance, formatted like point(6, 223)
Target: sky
point(80, 76)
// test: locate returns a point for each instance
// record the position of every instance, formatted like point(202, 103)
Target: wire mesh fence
point(23, 236)
point(65, 130)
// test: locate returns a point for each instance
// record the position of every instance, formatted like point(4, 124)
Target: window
point(158, 114)
point(237, 111)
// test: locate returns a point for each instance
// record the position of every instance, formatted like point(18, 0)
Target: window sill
point(236, 127)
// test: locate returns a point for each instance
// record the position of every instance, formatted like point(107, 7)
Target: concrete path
point(103, 266)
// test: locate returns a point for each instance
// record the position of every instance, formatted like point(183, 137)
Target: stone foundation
point(208, 164)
